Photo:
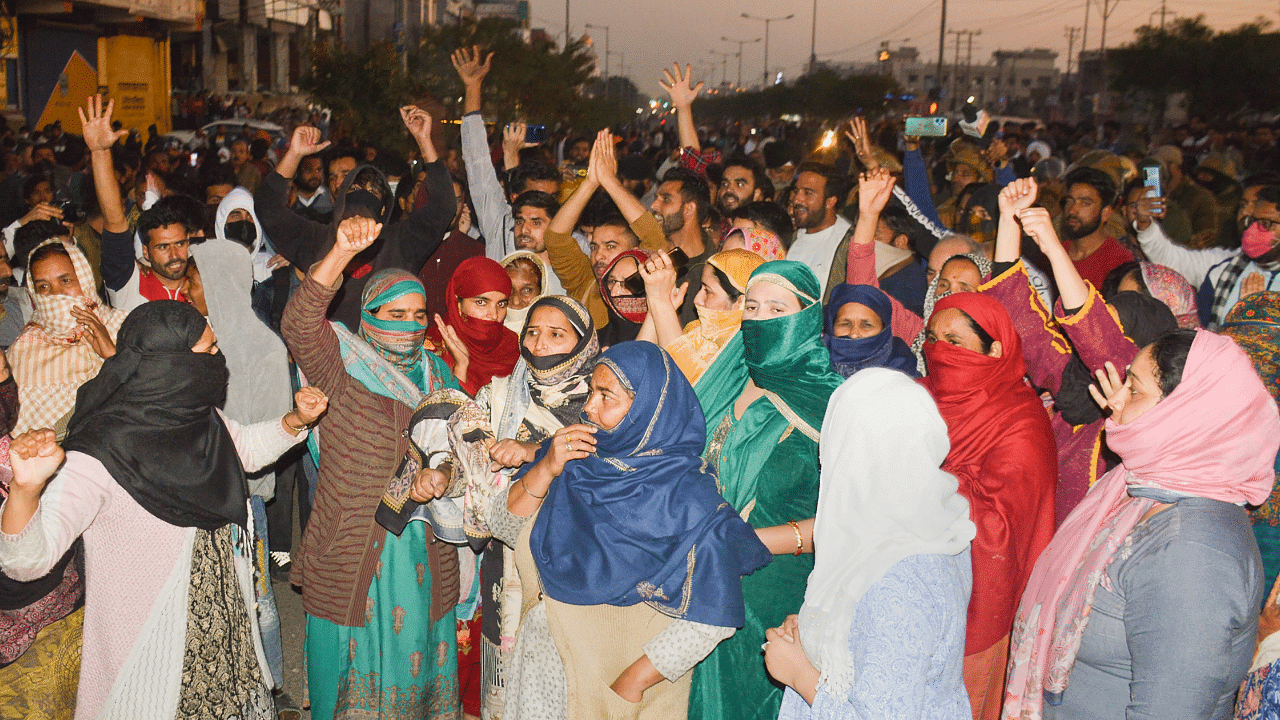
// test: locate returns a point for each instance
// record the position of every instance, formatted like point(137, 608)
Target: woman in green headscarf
point(764, 399)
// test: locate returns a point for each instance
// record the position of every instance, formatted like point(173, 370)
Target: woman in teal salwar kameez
point(389, 652)
point(764, 399)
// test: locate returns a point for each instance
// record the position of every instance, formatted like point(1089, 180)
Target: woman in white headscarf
point(236, 220)
point(881, 632)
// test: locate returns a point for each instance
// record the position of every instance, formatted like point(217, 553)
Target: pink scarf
point(1215, 436)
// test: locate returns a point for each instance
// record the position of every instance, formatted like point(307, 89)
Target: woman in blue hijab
point(858, 332)
point(636, 550)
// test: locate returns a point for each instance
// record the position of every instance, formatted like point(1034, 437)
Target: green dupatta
point(786, 358)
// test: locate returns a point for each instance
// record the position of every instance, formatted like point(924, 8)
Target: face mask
point(243, 232)
point(1257, 241)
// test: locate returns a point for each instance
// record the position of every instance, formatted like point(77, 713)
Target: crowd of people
point(672, 421)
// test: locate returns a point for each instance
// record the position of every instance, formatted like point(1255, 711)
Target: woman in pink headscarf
point(1145, 604)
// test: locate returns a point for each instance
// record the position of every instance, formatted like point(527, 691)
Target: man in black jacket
point(406, 244)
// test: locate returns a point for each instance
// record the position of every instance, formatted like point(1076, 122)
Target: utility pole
point(1071, 46)
point(1108, 7)
point(764, 83)
point(955, 66)
point(813, 40)
point(740, 44)
point(942, 41)
point(1084, 43)
point(1164, 9)
point(566, 23)
point(724, 65)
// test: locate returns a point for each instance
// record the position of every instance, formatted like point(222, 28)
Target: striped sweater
point(363, 438)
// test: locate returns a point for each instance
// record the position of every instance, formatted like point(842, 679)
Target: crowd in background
point(732, 419)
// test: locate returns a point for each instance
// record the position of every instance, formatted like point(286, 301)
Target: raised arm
point(312, 341)
point(40, 523)
point(915, 181)
point(99, 137)
point(305, 141)
point(294, 237)
point(1072, 289)
point(663, 297)
point(513, 136)
point(410, 242)
point(472, 72)
point(874, 190)
point(683, 92)
point(605, 161)
point(490, 200)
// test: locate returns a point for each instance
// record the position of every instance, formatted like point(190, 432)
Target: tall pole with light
point(605, 28)
point(813, 40)
point(740, 44)
point(765, 77)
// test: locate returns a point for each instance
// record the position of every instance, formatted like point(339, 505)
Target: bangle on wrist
point(530, 492)
point(285, 420)
point(799, 538)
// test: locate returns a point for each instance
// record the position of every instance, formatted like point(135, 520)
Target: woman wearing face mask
point(624, 506)
point(380, 607)
point(513, 416)
point(1063, 347)
point(764, 399)
point(627, 312)
point(1146, 602)
point(153, 479)
point(527, 273)
point(64, 345)
point(235, 220)
point(719, 303)
point(1002, 452)
point(472, 339)
point(857, 332)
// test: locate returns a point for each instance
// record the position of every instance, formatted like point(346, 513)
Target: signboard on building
point(135, 72)
point(77, 81)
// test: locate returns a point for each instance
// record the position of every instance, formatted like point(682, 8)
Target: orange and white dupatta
point(51, 359)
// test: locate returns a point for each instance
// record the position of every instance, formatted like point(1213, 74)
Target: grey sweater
point(1174, 621)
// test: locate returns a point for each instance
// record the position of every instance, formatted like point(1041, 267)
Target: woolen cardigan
point(363, 437)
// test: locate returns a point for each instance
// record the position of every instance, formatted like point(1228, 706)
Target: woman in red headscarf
point(1004, 455)
point(472, 339)
point(627, 310)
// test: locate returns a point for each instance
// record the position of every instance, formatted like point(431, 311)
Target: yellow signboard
point(135, 72)
point(78, 81)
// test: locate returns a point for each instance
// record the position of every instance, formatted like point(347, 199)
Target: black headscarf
point(150, 417)
point(1144, 320)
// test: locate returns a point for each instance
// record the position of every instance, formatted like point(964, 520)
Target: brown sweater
point(363, 438)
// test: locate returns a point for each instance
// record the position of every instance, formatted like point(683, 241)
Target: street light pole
point(724, 65)
point(813, 40)
point(566, 23)
point(740, 44)
point(605, 28)
point(764, 83)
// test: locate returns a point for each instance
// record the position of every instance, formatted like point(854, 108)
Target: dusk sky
point(653, 33)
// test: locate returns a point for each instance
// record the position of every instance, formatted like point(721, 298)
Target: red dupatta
point(1003, 453)
point(493, 348)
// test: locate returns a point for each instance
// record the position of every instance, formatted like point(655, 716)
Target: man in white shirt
point(820, 231)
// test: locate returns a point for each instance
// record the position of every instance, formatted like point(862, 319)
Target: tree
point(1223, 74)
point(534, 81)
point(822, 94)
